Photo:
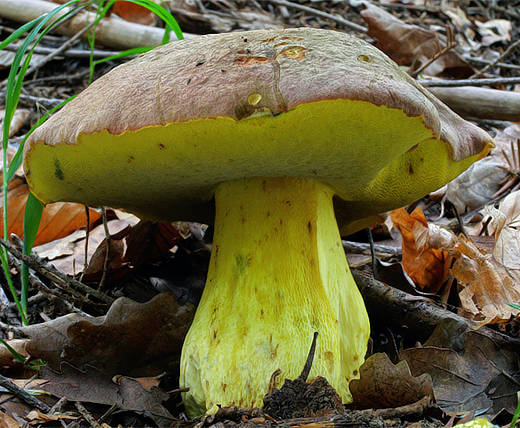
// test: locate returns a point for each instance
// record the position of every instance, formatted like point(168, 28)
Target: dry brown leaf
point(58, 220)
point(92, 386)
point(476, 186)
point(494, 30)
point(7, 359)
point(383, 384)
point(137, 339)
point(427, 267)
point(506, 222)
point(410, 44)
point(485, 286)
point(131, 245)
point(7, 421)
point(20, 118)
point(134, 13)
point(469, 371)
point(36, 417)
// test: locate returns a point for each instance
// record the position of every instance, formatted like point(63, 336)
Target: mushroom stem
point(277, 274)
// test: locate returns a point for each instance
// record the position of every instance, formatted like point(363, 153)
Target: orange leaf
point(133, 12)
point(58, 220)
point(429, 267)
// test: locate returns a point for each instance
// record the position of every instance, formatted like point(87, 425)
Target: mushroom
point(291, 132)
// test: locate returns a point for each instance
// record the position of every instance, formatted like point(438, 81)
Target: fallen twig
point(482, 103)
point(23, 395)
point(470, 82)
point(54, 275)
point(87, 416)
point(504, 55)
point(395, 307)
point(320, 13)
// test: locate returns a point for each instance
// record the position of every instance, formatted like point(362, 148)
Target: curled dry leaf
point(383, 384)
point(410, 44)
point(427, 267)
point(485, 287)
point(20, 118)
point(483, 180)
point(507, 232)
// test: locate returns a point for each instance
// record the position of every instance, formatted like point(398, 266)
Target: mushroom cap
point(157, 135)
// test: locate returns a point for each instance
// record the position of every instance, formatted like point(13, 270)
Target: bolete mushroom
point(273, 124)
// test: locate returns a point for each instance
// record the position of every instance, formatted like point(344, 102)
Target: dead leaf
point(427, 267)
point(469, 371)
point(410, 44)
point(383, 384)
point(58, 219)
point(137, 339)
point(134, 13)
point(485, 288)
point(36, 417)
point(20, 118)
point(494, 30)
point(92, 386)
point(131, 245)
point(476, 186)
point(7, 421)
point(507, 231)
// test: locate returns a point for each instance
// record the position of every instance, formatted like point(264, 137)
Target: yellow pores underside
point(277, 274)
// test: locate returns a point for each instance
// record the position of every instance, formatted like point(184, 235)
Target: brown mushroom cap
point(157, 134)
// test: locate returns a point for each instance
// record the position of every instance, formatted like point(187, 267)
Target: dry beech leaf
point(20, 118)
point(132, 243)
point(476, 186)
point(58, 220)
point(136, 339)
point(469, 371)
point(36, 417)
point(507, 234)
point(7, 421)
point(494, 30)
point(134, 13)
point(485, 286)
point(427, 267)
point(410, 44)
point(383, 384)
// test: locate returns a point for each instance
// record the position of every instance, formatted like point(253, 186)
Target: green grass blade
point(31, 222)
point(124, 54)
point(16, 35)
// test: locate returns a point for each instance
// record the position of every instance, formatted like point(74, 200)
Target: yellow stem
point(277, 274)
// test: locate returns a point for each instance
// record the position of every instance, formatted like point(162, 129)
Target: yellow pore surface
point(278, 273)
point(364, 152)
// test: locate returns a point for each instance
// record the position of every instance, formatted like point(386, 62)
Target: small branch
point(53, 274)
point(450, 44)
point(319, 13)
point(504, 55)
point(364, 248)
point(87, 416)
point(23, 395)
point(310, 358)
point(106, 262)
point(470, 82)
point(60, 50)
point(29, 99)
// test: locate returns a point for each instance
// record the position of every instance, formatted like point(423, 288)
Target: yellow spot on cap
point(254, 99)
